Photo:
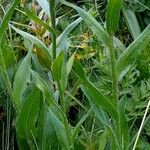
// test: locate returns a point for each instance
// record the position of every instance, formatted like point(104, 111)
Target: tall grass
point(43, 92)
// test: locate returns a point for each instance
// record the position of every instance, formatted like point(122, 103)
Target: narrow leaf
point(130, 54)
point(113, 15)
point(7, 18)
point(21, 79)
point(87, 17)
point(76, 130)
point(131, 21)
point(57, 67)
point(45, 6)
point(59, 129)
point(70, 64)
point(29, 114)
point(43, 86)
point(35, 41)
point(94, 94)
point(39, 21)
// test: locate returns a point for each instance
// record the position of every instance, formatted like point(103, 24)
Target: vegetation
point(75, 75)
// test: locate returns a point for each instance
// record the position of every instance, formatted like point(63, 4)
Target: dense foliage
point(75, 74)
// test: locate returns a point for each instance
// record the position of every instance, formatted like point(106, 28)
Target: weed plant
point(70, 80)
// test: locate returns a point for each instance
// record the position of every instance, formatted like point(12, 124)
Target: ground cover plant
point(74, 75)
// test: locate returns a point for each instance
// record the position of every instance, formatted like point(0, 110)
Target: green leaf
point(70, 64)
point(130, 54)
point(124, 123)
point(8, 54)
point(44, 51)
point(62, 39)
point(59, 129)
point(131, 21)
point(26, 122)
point(46, 133)
point(20, 80)
point(39, 21)
point(76, 129)
point(7, 18)
point(103, 141)
point(45, 6)
point(93, 94)
point(57, 67)
point(43, 86)
point(113, 15)
point(92, 23)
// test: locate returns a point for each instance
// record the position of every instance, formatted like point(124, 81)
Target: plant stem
point(53, 23)
point(114, 73)
point(115, 86)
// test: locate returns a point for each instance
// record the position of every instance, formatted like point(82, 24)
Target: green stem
point(115, 86)
point(53, 23)
point(114, 73)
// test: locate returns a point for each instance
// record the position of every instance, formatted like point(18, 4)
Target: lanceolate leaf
point(38, 20)
point(94, 94)
point(21, 78)
point(3, 28)
point(131, 21)
point(43, 86)
point(45, 6)
point(130, 54)
point(35, 41)
point(59, 129)
point(6, 19)
point(113, 15)
point(26, 122)
point(46, 132)
point(93, 24)
point(62, 39)
point(76, 129)
point(57, 67)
